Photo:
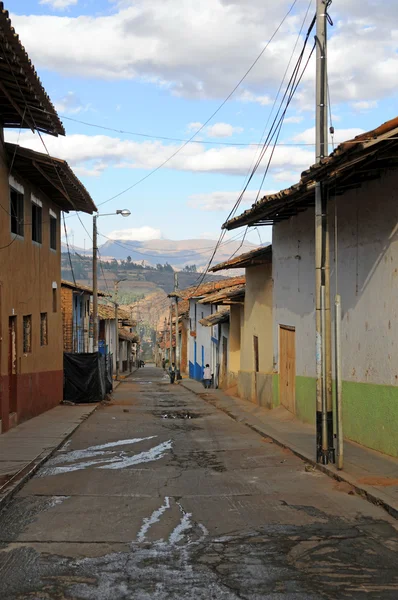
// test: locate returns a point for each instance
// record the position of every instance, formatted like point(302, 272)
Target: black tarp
point(86, 377)
point(109, 373)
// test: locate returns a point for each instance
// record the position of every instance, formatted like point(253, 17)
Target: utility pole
point(95, 286)
point(178, 365)
point(117, 332)
point(171, 335)
point(324, 414)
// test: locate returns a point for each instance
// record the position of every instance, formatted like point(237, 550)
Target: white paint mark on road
point(154, 518)
point(56, 500)
point(104, 456)
point(155, 453)
point(185, 524)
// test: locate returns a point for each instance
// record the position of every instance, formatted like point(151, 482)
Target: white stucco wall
point(367, 280)
point(203, 334)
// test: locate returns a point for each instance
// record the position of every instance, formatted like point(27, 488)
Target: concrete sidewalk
point(371, 473)
point(26, 447)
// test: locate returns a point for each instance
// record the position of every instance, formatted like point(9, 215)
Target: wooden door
point(12, 364)
point(287, 367)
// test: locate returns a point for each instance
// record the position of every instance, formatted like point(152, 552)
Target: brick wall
point(67, 318)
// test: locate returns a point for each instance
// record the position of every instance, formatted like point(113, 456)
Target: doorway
point(12, 364)
point(287, 367)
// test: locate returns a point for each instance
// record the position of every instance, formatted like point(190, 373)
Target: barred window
point(27, 334)
point(36, 223)
point(43, 329)
point(53, 233)
point(17, 212)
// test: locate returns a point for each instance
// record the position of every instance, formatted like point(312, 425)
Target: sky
point(162, 68)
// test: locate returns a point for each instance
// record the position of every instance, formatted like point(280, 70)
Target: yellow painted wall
point(234, 339)
point(258, 319)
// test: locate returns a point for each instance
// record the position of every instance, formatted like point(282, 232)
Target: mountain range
point(178, 253)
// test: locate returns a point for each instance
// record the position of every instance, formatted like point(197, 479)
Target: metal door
point(287, 367)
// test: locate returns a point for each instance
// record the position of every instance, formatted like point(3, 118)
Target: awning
point(53, 176)
point(221, 316)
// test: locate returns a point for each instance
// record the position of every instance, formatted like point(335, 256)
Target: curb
point(32, 467)
point(364, 491)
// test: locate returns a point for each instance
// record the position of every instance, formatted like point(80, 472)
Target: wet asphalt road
point(161, 496)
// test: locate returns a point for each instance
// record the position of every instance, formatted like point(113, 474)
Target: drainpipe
point(339, 393)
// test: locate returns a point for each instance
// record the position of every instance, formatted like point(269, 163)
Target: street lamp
point(124, 213)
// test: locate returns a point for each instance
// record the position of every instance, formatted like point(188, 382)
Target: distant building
point(75, 307)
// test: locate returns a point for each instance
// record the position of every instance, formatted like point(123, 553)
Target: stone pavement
point(371, 473)
point(26, 447)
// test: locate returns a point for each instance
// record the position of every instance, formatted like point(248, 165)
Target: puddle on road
point(176, 414)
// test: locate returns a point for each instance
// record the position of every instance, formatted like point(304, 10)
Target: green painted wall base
point(370, 412)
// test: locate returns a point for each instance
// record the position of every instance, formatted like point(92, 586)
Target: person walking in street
point(172, 372)
point(164, 364)
point(207, 377)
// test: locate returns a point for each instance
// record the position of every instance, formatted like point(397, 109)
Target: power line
point(211, 116)
point(290, 90)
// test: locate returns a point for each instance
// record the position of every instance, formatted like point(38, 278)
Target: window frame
point(43, 338)
point(53, 231)
point(20, 220)
point(37, 226)
point(27, 334)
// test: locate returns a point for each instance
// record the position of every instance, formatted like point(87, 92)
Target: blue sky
point(162, 68)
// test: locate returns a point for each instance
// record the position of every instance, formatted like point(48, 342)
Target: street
point(159, 495)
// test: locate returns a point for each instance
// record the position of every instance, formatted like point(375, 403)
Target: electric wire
point(275, 128)
point(211, 116)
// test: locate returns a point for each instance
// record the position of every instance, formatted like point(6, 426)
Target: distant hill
point(178, 253)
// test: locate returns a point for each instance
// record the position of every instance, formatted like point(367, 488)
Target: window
point(43, 329)
point(17, 212)
point(27, 334)
point(54, 299)
point(256, 360)
point(36, 223)
point(53, 232)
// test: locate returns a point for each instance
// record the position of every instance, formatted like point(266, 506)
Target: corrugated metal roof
point(221, 316)
point(352, 163)
point(255, 257)
point(23, 99)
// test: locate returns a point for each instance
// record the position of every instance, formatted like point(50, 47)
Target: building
point(34, 189)
point(75, 307)
point(112, 338)
point(202, 346)
point(361, 178)
point(251, 328)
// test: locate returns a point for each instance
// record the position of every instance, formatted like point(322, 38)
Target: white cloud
point(247, 96)
point(201, 49)
point(70, 104)
point(218, 130)
point(222, 200)
point(296, 119)
point(340, 135)
point(222, 130)
point(364, 105)
point(59, 4)
point(136, 234)
point(94, 154)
